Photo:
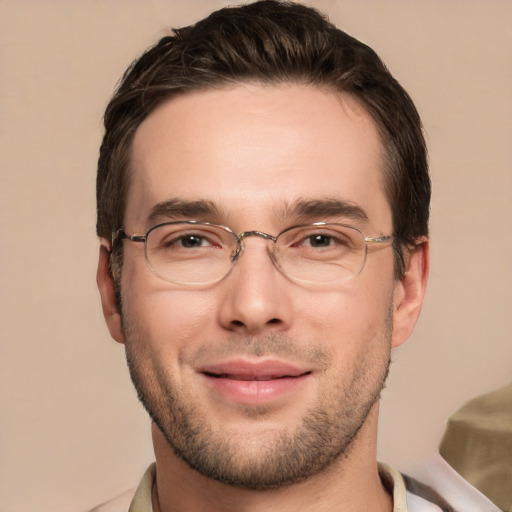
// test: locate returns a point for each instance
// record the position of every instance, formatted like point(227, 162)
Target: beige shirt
point(391, 478)
point(433, 472)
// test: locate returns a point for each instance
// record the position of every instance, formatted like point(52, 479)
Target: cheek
point(167, 319)
point(349, 321)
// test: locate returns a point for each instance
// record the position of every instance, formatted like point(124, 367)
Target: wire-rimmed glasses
point(199, 253)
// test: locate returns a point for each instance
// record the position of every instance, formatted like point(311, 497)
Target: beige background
point(71, 431)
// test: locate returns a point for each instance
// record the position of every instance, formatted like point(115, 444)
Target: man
point(263, 200)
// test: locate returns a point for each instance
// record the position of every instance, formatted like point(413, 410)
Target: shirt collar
point(390, 477)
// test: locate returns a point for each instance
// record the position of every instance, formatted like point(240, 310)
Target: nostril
point(239, 323)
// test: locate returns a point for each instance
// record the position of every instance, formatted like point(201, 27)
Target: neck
point(350, 483)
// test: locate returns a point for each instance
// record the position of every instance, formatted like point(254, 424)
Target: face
point(259, 381)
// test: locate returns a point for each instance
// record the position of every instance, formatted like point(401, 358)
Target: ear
point(107, 292)
point(409, 292)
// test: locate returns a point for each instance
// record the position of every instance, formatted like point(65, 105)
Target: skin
point(260, 148)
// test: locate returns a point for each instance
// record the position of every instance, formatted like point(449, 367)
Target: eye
point(192, 241)
point(322, 240)
point(172, 239)
point(319, 240)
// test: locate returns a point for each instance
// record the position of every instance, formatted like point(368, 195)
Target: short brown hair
point(270, 42)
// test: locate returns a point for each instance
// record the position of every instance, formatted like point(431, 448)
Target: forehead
point(253, 149)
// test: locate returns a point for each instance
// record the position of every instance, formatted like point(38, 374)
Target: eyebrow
point(301, 209)
point(326, 207)
point(176, 208)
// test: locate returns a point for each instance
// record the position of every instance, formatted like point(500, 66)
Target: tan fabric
point(142, 500)
point(394, 483)
point(391, 478)
point(478, 445)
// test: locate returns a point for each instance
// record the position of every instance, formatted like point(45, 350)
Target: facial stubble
point(270, 457)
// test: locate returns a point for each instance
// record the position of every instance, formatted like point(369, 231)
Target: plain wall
point(72, 433)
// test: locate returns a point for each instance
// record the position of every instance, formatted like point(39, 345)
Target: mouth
point(252, 377)
point(254, 382)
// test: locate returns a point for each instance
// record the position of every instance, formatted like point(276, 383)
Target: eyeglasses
point(200, 253)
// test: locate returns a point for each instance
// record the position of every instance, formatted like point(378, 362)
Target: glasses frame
point(121, 234)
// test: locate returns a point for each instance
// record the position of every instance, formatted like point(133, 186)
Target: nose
point(256, 295)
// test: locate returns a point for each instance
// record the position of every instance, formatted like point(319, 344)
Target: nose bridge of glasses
point(246, 234)
point(242, 236)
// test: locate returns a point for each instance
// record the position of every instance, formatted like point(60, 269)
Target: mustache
point(267, 346)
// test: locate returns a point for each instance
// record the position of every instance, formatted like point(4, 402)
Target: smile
point(254, 383)
point(253, 377)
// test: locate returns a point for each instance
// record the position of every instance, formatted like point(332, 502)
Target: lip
point(254, 382)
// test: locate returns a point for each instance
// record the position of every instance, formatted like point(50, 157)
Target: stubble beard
point(270, 458)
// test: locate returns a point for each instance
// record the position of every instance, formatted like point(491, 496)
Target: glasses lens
point(321, 253)
point(192, 253)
